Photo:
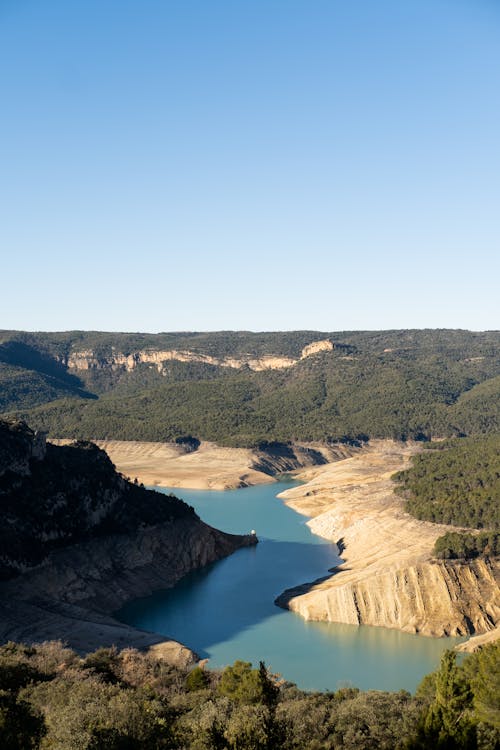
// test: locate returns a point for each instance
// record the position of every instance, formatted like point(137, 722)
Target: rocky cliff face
point(88, 360)
point(209, 466)
point(433, 598)
point(388, 577)
point(53, 496)
point(104, 573)
point(315, 347)
point(73, 594)
point(78, 540)
point(275, 458)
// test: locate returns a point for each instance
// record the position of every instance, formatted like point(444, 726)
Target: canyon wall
point(213, 467)
point(89, 360)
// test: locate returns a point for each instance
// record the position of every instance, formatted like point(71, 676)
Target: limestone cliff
point(211, 466)
point(315, 347)
point(89, 360)
point(388, 576)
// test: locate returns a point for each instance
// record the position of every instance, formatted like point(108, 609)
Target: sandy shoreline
point(388, 577)
point(211, 467)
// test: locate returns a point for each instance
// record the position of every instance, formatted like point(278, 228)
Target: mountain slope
point(239, 388)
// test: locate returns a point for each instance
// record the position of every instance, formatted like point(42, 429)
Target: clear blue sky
point(256, 164)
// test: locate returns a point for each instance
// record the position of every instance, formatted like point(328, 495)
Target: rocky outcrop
point(388, 576)
point(105, 573)
point(478, 641)
point(84, 630)
point(61, 495)
point(78, 540)
point(316, 347)
point(274, 458)
point(89, 360)
point(434, 598)
point(74, 592)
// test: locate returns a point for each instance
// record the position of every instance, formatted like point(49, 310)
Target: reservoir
point(226, 611)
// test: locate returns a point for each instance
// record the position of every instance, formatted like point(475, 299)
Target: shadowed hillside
point(53, 496)
point(78, 540)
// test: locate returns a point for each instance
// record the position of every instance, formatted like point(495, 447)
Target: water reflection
point(226, 611)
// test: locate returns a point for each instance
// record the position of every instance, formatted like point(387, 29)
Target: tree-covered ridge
point(238, 343)
point(396, 384)
point(51, 698)
point(215, 344)
point(457, 482)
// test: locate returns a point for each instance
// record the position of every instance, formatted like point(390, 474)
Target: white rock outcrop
point(316, 347)
point(89, 360)
point(388, 576)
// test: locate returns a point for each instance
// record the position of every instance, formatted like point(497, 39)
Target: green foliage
point(460, 704)
point(447, 722)
point(197, 679)
point(476, 411)
point(149, 705)
point(448, 714)
point(458, 482)
point(104, 662)
point(246, 728)
point(15, 674)
point(483, 671)
point(371, 721)
point(268, 687)
point(21, 727)
point(461, 546)
point(81, 712)
point(241, 683)
point(401, 384)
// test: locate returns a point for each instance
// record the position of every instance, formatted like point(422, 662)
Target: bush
point(197, 679)
point(461, 546)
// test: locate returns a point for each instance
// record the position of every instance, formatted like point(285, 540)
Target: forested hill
point(240, 388)
point(54, 496)
point(457, 482)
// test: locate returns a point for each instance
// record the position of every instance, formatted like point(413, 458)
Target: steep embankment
point(78, 540)
point(71, 595)
point(388, 577)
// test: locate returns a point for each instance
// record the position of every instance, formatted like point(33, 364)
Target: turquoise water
point(226, 611)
